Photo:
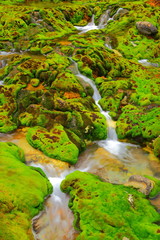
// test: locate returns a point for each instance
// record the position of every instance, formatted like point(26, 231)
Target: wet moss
point(135, 122)
point(23, 190)
point(66, 81)
point(8, 106)
point(54, 143)
point(156, 146)
point(104, 210)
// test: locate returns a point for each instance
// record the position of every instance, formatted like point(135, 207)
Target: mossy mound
point(66, 81)
point(106, 211)
point(23, 190)
point(33, 67)
point(54, 143)
point(136, 122)
point(8, 106)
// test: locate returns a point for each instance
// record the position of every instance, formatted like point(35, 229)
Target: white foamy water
point(146, 63)
point(111, 144)
point(1, 83)
point(103, 21)
point(90, 26)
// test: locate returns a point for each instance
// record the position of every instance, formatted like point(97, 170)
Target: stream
point(112, 160)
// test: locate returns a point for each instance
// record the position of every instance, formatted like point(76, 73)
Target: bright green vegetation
point(50, 93)
point(106, 211)
point(23, 190)
point(55, 143)
point(42, 93)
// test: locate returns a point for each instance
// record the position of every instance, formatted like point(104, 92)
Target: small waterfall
point(108, 45)
point(56, 221)
point(96, 96)
point(90, 26)
point(111, 144)
point(146, 63)
point(1, 83)
point(103, 21)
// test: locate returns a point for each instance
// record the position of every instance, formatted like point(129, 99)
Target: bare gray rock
point(146, 28)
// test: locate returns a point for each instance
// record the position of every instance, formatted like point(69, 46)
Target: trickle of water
point(108, 45)
point(146, 63)
point(104, 18)
point(111, 144)
point(103, 21)
point(56, 221)
point(1, 83)
point(90, 26)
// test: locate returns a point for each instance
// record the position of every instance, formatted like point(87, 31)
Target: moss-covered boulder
point(23, 190)
point(33, 67)
point(66, 81)
point(8, 106)
point(134, 122)
point(106, 211)
point(54, 143)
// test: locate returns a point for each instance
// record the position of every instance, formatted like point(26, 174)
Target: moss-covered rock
point(134, 122)
point(8, 106)
point(156, 146)
point(54, 143)
point(33, 67)
point(103, 210)
point(66, 81)
point(23, 190)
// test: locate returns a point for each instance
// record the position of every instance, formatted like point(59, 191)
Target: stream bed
point(111, 159)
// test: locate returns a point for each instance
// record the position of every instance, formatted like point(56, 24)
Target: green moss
point(8, 107)
point(66, 81)
point(34, 82)
point(57, 61)
point(156, 146)
point(135, 122)
point(156, 188)
point(46, 49)
point(103, 210)
point(94, 125)
point(55, 143)
point(33, 67)
point(67, 50)
point(23, 190)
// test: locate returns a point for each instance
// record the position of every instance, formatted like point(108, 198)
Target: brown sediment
point(154, 3)
point(31, 88)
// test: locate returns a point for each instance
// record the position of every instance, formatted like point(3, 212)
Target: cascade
point(90, 26)
point(111, 144)
point(56, 221)
point(146, 63)
point(103, 21)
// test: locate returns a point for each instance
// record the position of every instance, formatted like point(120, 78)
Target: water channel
point(112, 160)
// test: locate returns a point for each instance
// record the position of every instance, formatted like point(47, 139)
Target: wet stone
point(144, 185)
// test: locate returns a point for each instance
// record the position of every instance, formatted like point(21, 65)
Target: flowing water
point(103, 21)
point(112, 160)
point(146, 63)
